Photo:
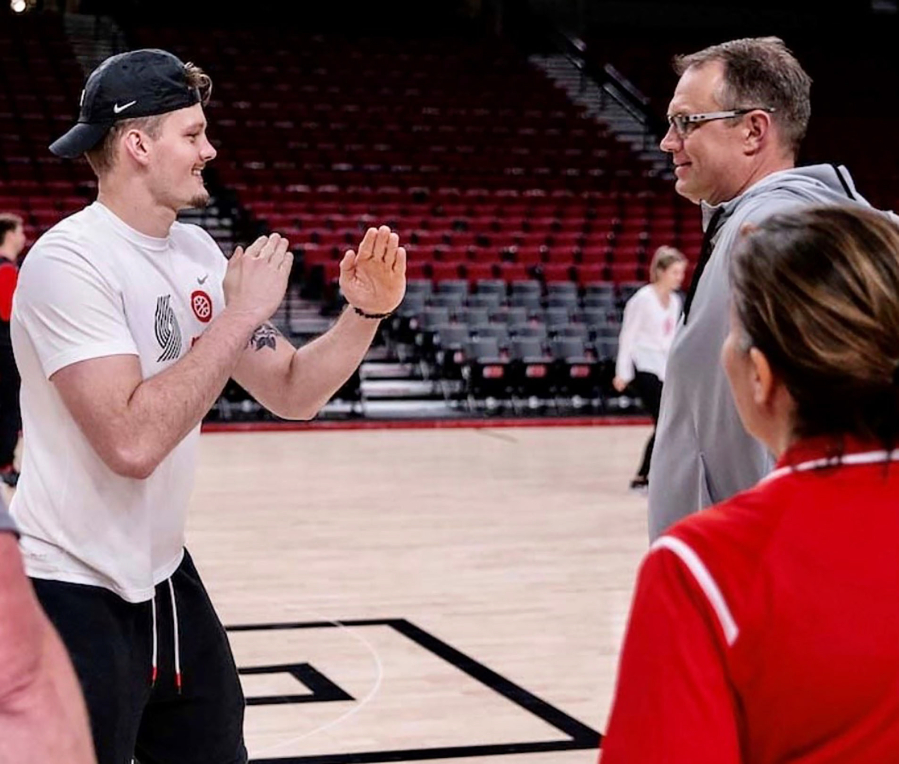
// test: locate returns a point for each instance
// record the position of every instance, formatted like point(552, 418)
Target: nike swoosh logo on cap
point(118, 109)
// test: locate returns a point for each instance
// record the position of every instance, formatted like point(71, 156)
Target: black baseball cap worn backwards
point(139, 83)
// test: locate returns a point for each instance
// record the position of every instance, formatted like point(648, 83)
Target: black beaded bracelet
point(371, 315)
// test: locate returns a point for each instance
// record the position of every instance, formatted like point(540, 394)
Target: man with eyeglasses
point(736, 120)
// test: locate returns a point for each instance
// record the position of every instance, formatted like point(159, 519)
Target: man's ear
point(136, 144)
point(757, 127)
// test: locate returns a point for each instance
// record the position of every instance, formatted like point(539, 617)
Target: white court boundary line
point(356, 709)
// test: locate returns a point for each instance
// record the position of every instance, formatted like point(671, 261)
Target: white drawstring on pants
point(154, 670)
point(177, 639)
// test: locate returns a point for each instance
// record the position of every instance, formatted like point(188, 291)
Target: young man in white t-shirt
point(126, 327)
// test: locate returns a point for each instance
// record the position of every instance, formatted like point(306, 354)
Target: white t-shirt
point(92, 286)
point(647, 332)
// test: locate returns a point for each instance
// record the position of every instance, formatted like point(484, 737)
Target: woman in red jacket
point(766, 629)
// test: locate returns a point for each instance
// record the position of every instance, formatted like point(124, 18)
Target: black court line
point(579, 735)
point(321, 689)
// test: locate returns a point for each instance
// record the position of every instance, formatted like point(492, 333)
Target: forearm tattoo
point(265, 336)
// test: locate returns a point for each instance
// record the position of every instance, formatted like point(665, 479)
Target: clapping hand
point(374, 280)
point(256, 279)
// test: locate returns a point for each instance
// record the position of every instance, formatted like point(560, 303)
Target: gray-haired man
point(737, 118)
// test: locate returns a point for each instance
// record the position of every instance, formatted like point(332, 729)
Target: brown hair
point(816, 292)
point(9, 221)
point(102, 157)
point(760, 72)
point(663, 259)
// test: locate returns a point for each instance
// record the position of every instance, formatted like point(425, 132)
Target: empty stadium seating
point(492, 177)
point(39, 85)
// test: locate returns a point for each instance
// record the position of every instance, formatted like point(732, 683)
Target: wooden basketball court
point(422, 594)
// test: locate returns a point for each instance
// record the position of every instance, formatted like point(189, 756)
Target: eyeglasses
point(684, 124)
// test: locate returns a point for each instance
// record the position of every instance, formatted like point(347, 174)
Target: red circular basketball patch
point(201, 303)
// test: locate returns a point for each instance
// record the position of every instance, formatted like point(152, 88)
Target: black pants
point(10, 417)
point(649, 387)
point(110, 642)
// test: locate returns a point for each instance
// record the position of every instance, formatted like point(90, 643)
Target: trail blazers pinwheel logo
point(168, 333)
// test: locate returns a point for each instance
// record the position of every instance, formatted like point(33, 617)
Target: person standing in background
point(650, 317)
point(12, 242)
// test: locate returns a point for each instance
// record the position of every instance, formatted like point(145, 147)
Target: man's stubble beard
point(199, 202)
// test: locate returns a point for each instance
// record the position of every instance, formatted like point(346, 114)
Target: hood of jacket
point(818, 184)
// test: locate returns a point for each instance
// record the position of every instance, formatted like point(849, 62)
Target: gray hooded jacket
point(702, 454)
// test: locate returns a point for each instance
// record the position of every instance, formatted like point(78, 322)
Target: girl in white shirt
point(647, 331)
